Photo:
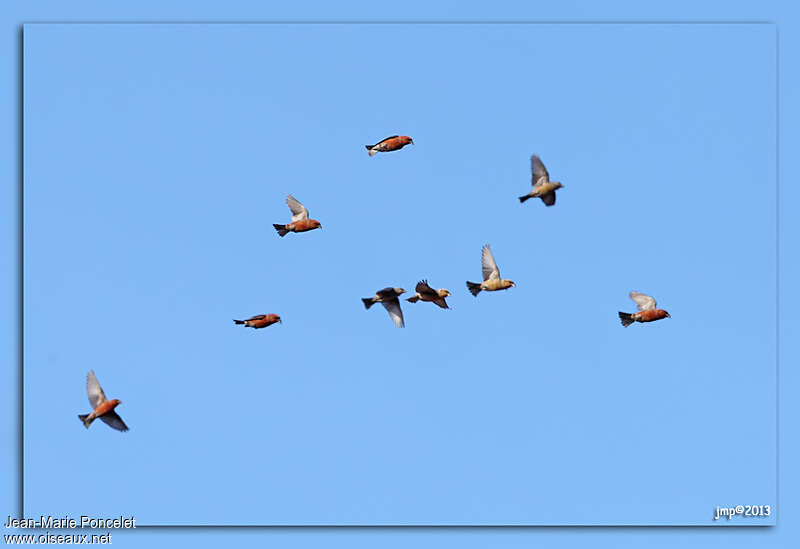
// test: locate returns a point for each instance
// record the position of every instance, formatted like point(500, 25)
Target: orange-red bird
point(260, 321)
point(542, 186)
point(392, 143)
point(647, 310)
point(102, 408)
point(300, 221)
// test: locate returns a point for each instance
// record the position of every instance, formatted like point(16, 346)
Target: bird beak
point(668, 316)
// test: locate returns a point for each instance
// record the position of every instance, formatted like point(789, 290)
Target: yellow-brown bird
point(542, 186)
point(491, 275)
point(426, 293)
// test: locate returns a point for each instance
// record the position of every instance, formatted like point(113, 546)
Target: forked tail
point(626, 318)
point(84, 420)
point(473, 288)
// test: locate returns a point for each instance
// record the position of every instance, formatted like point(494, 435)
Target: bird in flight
point(300, 221)
point(542, 186)
point(388, 298)
point(392, 143)
point(647, 310)
point(491, 275)
point(426, 293)
point(101, 408)
point(260, 321)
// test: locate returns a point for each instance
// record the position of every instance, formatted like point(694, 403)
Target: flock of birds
point(542, 188)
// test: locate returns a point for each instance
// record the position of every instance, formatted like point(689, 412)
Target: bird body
point(389, 144)
point(647, 310)
point(101, 407)
point(491, 275)
point(542, 186)
point(260, 321)
point(426, 293)
point(388, 298)
point(300, 221)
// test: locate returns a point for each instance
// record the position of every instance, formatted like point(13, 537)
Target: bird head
point(667, 314)
point(399, 291)
point(509, 283)
point(316, 224)
point(557, 184)
point(444, 293)
point(116, 402)
point(407, 139)
point(278, 319)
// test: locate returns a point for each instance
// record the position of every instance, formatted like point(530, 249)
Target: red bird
point(102, 408)
point(260, 321)
point(647, 310)
point(392, 143)
point(300, 221)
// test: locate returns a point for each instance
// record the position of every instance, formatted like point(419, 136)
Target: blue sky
point(153, 177)
point(473, 404)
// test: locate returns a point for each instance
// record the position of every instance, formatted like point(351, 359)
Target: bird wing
point(539, 175)
point(644, 302)
point(424, 289)
point(549, 198)
point(386, 293)
point(394, 310)
point(257, 317)
point(93, 389)
point(113, 420)
point(488, 265)
point(387, 139)
point(299, 212)
point(440, 301)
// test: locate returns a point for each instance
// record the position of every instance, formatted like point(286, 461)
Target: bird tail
point(367, 302)
point(524, 198)
point(85, 420)
point(413, 299)
point(282, 230)
point(473, 288)
point(238, 321)
point(371, 150)
point(626, 318)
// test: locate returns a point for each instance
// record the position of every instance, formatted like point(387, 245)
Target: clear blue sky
point(158, 157)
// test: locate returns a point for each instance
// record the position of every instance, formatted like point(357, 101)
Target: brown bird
point(260, 321)
point(647, 310)
point(101, 408)
point(426, 293)
point(542, 186)
point(388, 298)
point(491, 275)
point(300, 221)
point(392, 143)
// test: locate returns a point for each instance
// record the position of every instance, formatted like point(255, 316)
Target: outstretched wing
point(539, 175)
point(488, 265)
point(394, 310)
point(425, 290)
point(644, 302)
point(549, 198)
point(113, 420)
point(93, 389)
point(299, 212)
